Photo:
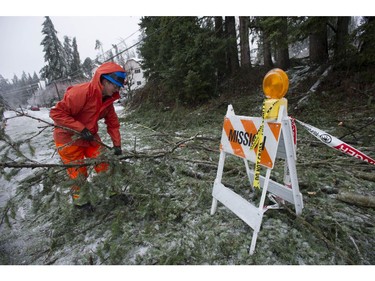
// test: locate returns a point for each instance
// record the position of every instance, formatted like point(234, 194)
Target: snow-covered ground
point(169, 221)
point(36, 144)
point(19, 129)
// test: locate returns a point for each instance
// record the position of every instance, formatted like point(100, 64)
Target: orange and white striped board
point(239, 132)
point(238, 135)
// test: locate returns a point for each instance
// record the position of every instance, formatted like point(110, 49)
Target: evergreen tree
point(15, 80)
point(2, 109)
point(4, 87)
point(298, 36)
point(35, 83)
point(68, 52)
point(99, 46)
point(4, 84)
point(25, 89)
point(274, 40)
point(76, 63)
point(315, 31)
point(35, 79)
point(87, 67)
point(261, 24)
point(24, 79)
point(56, 67)
point(29, 79)
point(367, 41)
point(179, 53)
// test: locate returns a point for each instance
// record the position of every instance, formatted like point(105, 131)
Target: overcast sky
point(20, 48)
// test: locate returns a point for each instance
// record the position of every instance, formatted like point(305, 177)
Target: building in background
point(135, 76)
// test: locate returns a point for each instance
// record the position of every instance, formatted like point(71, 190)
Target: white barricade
point(237, 136)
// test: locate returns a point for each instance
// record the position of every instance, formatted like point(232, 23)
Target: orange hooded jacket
point(83, 106)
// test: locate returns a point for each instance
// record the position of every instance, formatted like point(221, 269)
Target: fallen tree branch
point(302, 102)
point(14, 145)
point(96, 161)
point(37, 134)
point(365, 176)
point(357, 199)
point(199, 162)
point(57, 126)
point(356, 130)
point(352, 240)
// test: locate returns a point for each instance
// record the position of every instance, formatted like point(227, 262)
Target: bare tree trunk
point(282, 52)
point(220, 58)
point(267, 55)
point(318, 41)
point(266, 42)
point(342, 35)
point(232, 51)
point(244, 41)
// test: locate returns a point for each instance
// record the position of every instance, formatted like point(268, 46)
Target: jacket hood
point(105, 68)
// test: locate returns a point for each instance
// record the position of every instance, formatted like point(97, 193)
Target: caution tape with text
point(335, 143)
point(258, 142)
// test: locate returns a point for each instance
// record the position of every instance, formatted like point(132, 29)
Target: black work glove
point(86, 135)
point(117, 150)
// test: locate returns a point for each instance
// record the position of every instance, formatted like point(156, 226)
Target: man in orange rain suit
point(80, 109)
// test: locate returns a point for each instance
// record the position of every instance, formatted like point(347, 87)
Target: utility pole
point(57, 91)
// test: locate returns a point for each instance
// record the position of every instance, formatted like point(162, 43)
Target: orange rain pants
point(74, 153)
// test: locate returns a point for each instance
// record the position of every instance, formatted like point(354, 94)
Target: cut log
point(357, 199)
point(366, 176)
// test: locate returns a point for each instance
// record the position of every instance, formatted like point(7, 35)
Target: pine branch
point(44, 165)
point(19, 114)
point(357, 129)
point(96, 161)
point(5, 138)
point(199, 162)
point(41, 131)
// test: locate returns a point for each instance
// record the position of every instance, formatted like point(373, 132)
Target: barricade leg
point(288, 139)
point(261, 211)
point(219, 176)
point(264, 191)
point(214, 206)
point(253, 242)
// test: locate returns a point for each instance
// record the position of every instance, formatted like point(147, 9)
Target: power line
point(132, 46)
point(123, 51)
point(140, 41)
point(113, 48)
point(26, 87)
